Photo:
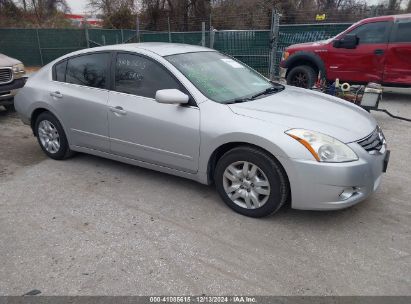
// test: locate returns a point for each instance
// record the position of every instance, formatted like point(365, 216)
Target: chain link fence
point(250, 47)
point(36, 47)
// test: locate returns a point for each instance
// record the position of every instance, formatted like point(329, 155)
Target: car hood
point(299, 108)
point(6, 61)
point(309, 44)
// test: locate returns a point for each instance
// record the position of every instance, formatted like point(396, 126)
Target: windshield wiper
point(270, 90)
point(267, 91)
point(238, 100)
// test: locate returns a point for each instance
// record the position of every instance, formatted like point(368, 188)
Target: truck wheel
point(302, 76)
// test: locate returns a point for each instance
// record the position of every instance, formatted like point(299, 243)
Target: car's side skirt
point(201, 178)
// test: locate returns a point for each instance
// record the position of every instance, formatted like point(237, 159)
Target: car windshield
point(221, 78)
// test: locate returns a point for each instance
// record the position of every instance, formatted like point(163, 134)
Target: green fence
point(176, 37)
point(36, 47)
point(250, 47)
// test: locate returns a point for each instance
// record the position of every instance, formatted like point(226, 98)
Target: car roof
point(386, 18)
point(159, 48)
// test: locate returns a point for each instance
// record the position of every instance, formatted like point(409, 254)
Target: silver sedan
point(196, 113)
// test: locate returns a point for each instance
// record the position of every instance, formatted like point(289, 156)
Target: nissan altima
point(196, 113)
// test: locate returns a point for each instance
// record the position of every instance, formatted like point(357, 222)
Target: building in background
point(79, 20)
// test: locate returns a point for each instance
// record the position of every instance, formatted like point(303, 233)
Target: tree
point(116, 13)
point(154, 10)
point(9, 13)
point(122, 18)
point(29, 13)
point(184, 14)
point(394, 5)
point(257, 13)
point(44, 9)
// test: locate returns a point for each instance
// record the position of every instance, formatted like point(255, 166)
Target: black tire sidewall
point(273, 171)
point(64, 147)
point(309, 71)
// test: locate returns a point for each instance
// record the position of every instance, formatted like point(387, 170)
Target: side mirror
point(171, 96)
point(336, 44)
point(347, 42)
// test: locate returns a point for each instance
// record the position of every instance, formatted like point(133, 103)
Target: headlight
point(18, 68)
point(324, 148)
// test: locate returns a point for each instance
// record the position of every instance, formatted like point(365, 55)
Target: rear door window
point(88, 70)
point(402, 31)
point(141, 76)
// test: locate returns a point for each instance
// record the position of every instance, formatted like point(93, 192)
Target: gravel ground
point(91, 226)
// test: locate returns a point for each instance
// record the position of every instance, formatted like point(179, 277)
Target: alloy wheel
point(49, 136)
point(246, 185)
point(300, 80)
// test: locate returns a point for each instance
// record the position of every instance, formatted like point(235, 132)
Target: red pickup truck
point(371, 50)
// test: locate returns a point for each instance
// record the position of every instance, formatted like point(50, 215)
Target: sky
point(78, 6)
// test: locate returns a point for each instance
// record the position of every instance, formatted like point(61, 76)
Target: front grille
point(5, 75)
point(373, 142)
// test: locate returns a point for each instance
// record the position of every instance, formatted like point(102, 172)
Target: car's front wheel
point(51, 136)
point(251, 182)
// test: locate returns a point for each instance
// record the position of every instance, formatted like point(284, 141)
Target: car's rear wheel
point(251, 182)
point(302, 76)
point(51, 136)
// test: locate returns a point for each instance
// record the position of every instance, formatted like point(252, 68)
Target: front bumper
point(8, 91)
point(323, 186)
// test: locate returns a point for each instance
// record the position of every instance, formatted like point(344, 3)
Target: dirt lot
point(90, 226)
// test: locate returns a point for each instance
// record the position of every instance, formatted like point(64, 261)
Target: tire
point(302, 76)
point(263, 200)
point(48, 129)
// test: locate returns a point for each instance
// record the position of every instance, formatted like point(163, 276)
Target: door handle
point(56, 94)
point(379, 52)
point(118, 110)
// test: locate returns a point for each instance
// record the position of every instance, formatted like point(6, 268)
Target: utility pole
point(86, 32)
point(203, 33)
point(275, 26)
point(169, 29)
point(137, 28)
